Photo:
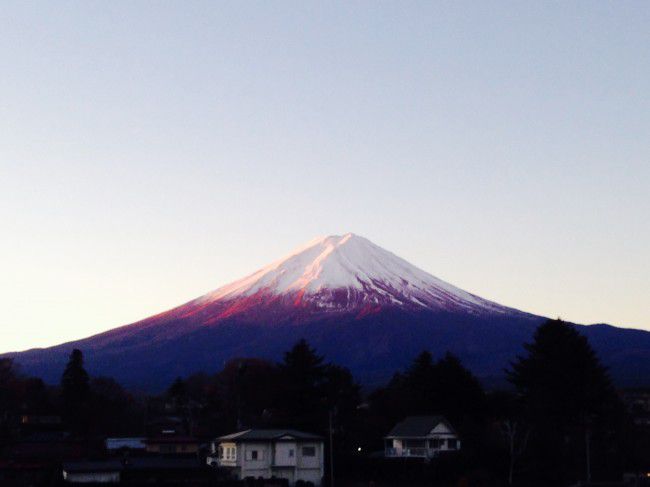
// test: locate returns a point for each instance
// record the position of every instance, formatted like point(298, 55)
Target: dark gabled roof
point(417, 426)
point(275, 434)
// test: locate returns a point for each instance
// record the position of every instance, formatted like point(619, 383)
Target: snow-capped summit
point(349, 271)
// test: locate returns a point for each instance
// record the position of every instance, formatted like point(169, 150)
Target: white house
point(288, 454)
point(421, 437)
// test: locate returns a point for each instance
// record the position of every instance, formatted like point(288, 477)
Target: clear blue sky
point(153, 151)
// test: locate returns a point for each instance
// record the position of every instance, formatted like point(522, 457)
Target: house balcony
point(215, 461)
point(411, 452)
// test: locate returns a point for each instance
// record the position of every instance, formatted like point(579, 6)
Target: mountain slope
point(360, 305)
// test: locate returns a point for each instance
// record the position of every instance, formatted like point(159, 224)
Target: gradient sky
point(153, 151)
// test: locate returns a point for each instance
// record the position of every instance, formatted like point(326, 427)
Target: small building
point(172, 444)
point(29, 423)
point(116, 445)
point(287, 454)
point(86, 472)
point(637, 401)
point(41, 420)
point(421, 437)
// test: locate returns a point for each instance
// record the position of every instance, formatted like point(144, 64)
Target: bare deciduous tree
point(516, 434)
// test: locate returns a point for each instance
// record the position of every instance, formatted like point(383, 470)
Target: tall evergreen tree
point(420, 388)
point(561, 378)
point(303, 366)
point(568, 399)
point(302, 373)
point(75, 389)
point(460, 395)
point(8, 397)
point(444, 387)
point(178, 393)
point(311, 390)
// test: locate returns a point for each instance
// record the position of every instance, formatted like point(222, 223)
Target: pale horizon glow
point(151, 153)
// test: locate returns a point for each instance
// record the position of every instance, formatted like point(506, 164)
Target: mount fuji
point(360, 305)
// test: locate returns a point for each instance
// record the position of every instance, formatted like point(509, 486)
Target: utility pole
point(241, 369)
point(588, 423)
point(331, 451)
point(588, 452)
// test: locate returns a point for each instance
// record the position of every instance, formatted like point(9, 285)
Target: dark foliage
point(427, 388)
point(75, 392)
point(535, 435)
point(570, 404)
point(115, 411)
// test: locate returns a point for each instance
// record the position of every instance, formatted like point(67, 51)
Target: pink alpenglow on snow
point(347, 272)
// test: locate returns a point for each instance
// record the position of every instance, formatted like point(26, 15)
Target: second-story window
point(253, 455)
point(230, 453)
point(308, 451)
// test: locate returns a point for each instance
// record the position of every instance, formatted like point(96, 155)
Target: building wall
point(275, 459)
point(310, 462)
point(311, 475)
point(254, 467)
point(285, 453)
point(288, 473)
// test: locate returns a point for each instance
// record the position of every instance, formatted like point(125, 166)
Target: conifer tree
point(302, 373)
point(561, 378)
point(568, 399)
point(75, 390)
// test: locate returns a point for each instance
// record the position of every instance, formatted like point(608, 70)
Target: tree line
point(561, 419)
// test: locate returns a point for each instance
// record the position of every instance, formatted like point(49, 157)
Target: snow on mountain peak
point(348, 265)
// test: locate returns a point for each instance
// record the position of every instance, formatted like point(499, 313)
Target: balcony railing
point(411, 452)
point(224, 462)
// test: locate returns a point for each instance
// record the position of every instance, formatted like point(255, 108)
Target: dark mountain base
point(374, 347)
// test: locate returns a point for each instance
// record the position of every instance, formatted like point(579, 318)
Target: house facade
point(287, 454)
point(421, 437)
